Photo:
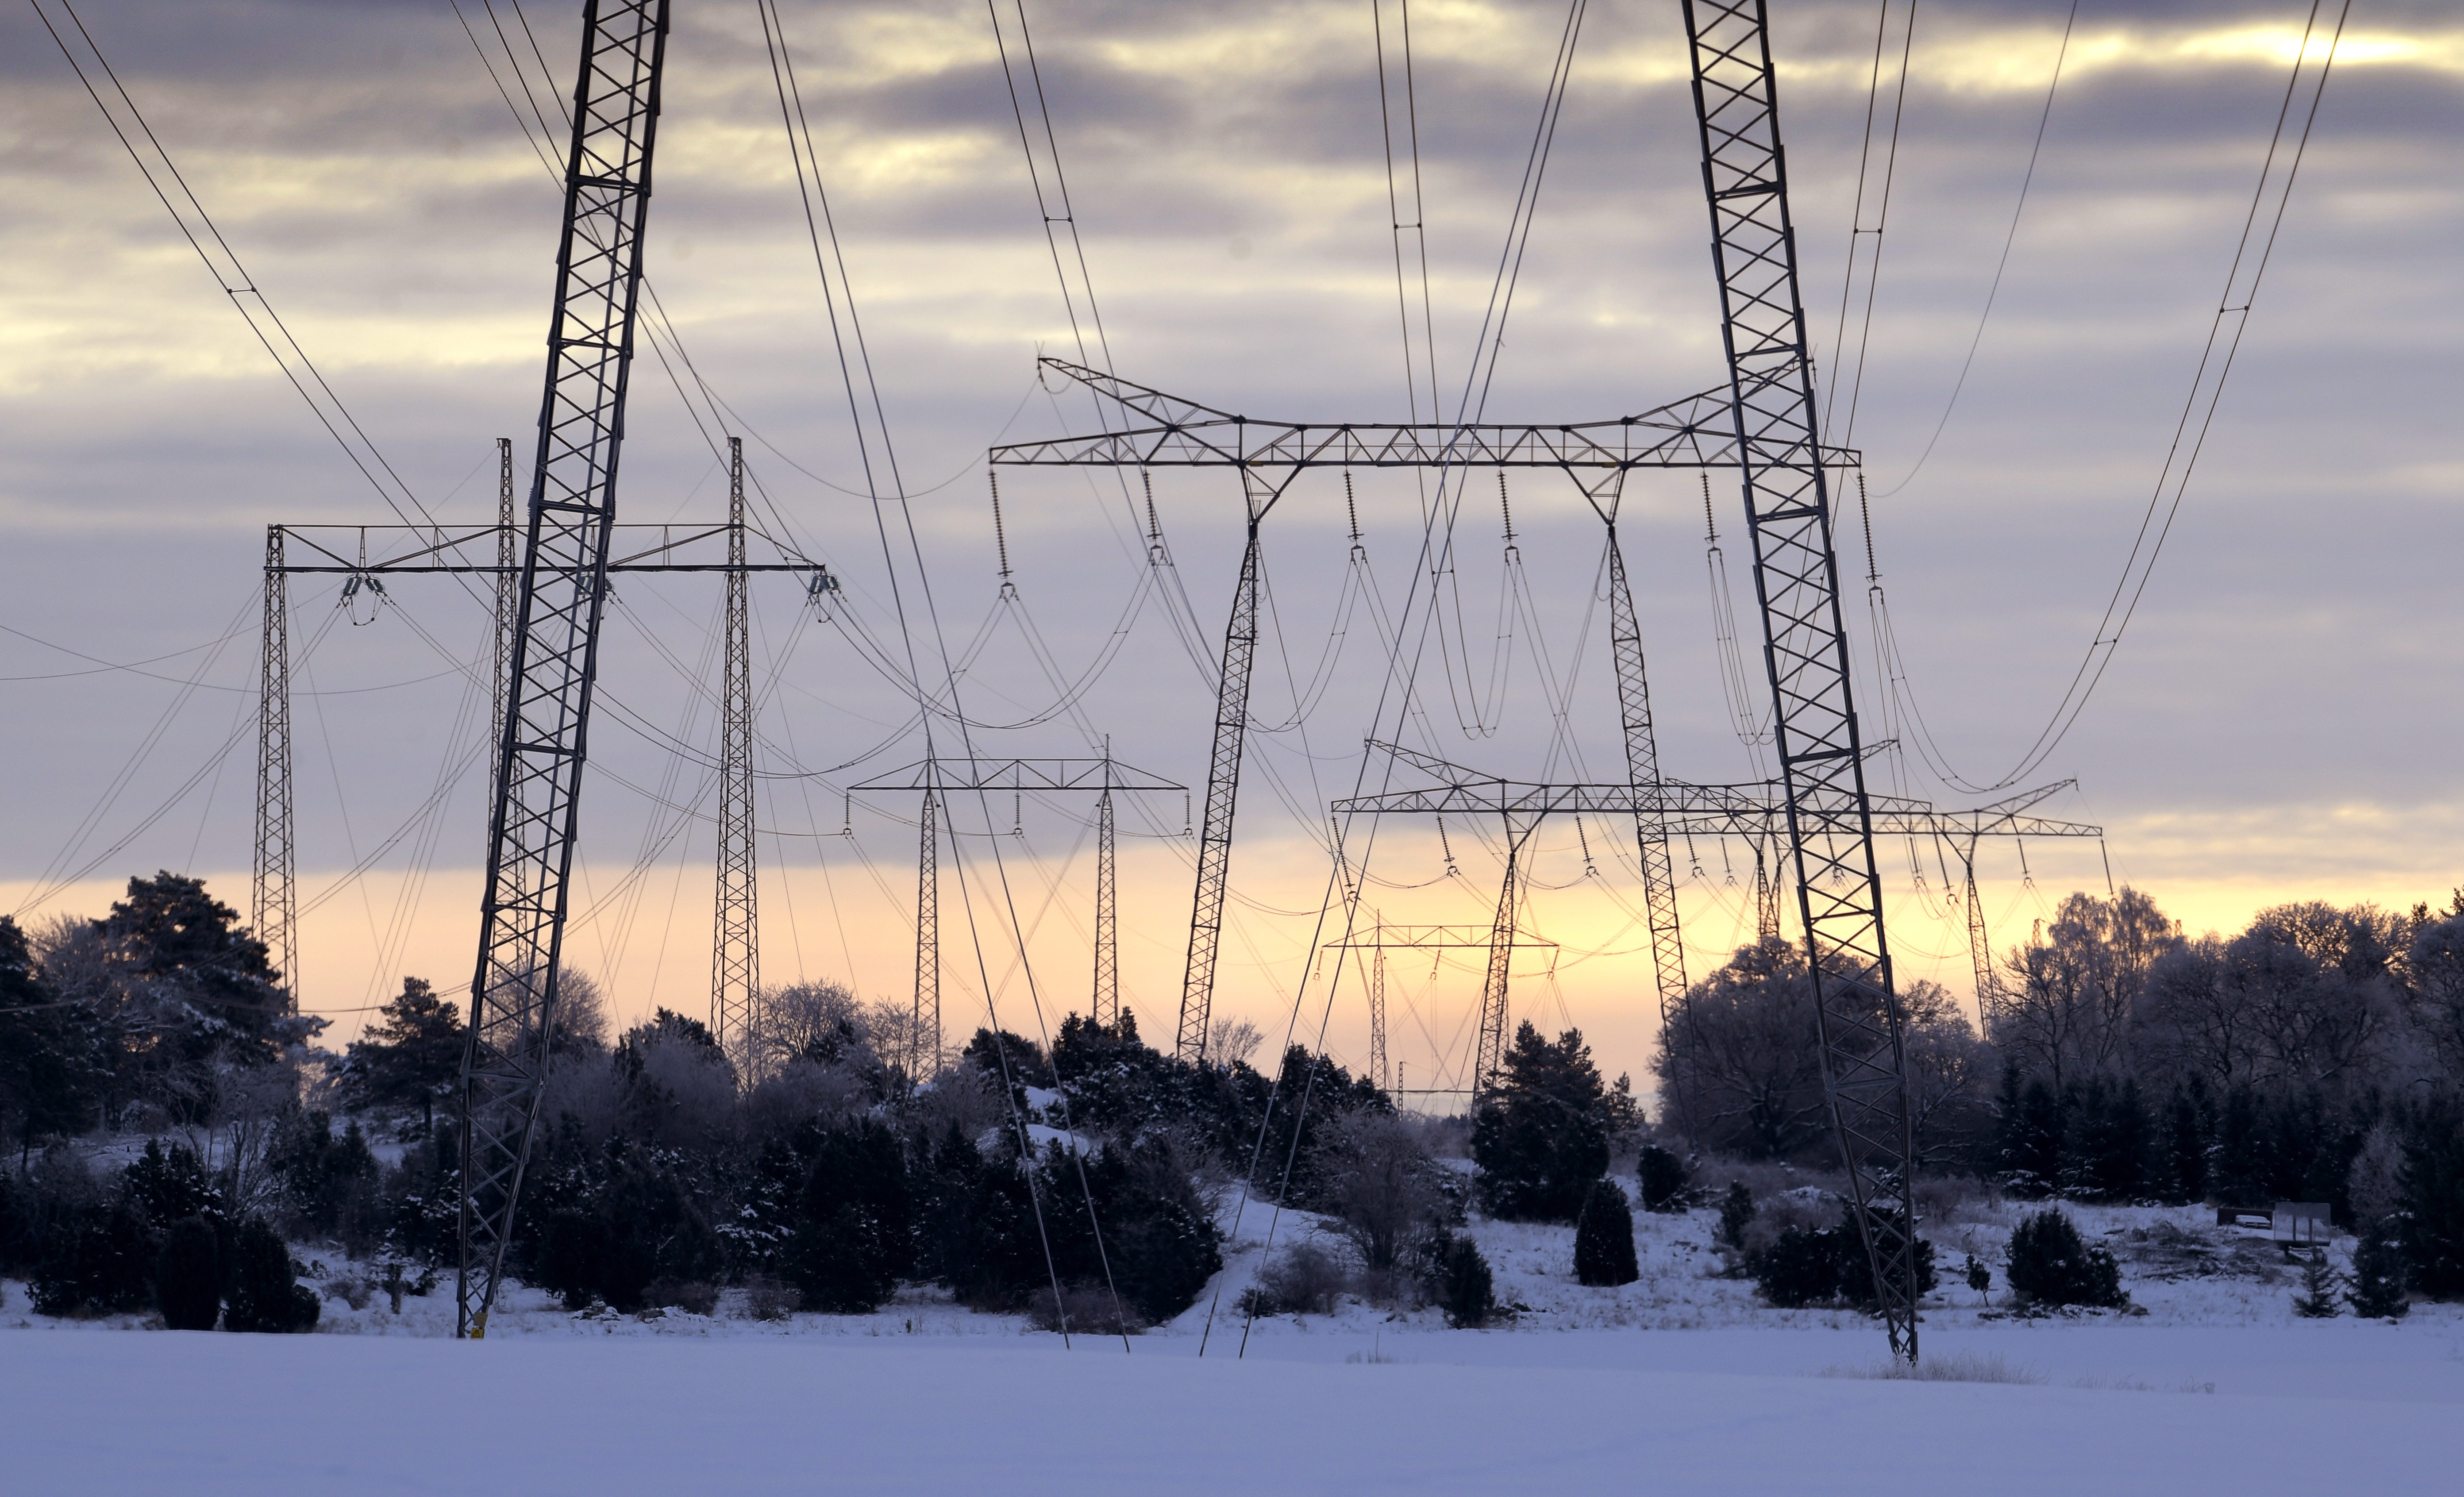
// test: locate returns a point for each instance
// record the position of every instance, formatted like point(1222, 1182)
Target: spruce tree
point(1460, 1282)
point(2319, 1296)
point(1604, 1239)
point(2048, 1264)
point(2379, 1273)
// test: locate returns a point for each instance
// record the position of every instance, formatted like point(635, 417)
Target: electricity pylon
point(1796, 581)
point(938, 777)
point(412, 550)
point(736, 946)
point(556, 633)
point(274, 900)
point(1378, 938)
point(1167, 431)
point(1754, 811)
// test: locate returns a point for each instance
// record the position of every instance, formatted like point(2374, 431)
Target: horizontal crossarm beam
point(1018, 774)
point(1696, 431)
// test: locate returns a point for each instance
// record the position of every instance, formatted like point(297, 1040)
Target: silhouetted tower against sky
point(563, 586)
point(1796, 579)
point(735, 950)
point(273, 912)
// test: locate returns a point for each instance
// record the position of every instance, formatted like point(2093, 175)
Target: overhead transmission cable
point(2010, 237)
point(2261, 224)
point(817, 216)
point(222, 262)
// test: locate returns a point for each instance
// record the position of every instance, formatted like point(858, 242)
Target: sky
point(2277, 725)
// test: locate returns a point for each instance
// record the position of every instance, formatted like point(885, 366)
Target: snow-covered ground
point(1682, 1381)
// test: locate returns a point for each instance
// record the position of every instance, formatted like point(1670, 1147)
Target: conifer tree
point(1604, 1239)
point(2319, 1296)
point(2379, 1277)
point(1542, 1137)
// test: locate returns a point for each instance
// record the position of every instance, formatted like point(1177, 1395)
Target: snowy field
point(1681, 1382)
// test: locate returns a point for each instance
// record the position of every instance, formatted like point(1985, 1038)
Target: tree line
point(2317, 1055)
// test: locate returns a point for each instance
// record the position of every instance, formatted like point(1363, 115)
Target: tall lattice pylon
point(1377, 1014)
point(1223, 780)
point(564, 588)
point(736, 948)
point(1488, 1058)
point(1796, 579)
point(273, 907)
point(1107, 1002)
point(924, 1045)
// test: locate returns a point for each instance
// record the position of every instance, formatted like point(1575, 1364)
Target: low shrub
point(1083, 1310)
point(1604, 1239)
point(1459, 1281)
point(99, 1261)
point(1660, 1179)
point(189, 1276)
point(1736, 1214)
point(1822, 1264)
point(2048, 1263)
point(265, 1293)
point(692, 1296)
point(1304, 1280)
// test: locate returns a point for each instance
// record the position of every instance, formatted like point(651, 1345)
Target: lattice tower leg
point(273, 905)
point(1489, 1058)
point(1766, 897)
point(556, 636)
point(1108, 954)
point(735, 955)
point(509, 560)
point(1223, 785)
point(1796, 581)
point(1980, 954)
point(924, 1047)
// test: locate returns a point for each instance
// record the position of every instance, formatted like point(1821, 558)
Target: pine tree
point(1980, 1278)
point(2379, 1273)
point(1604, 1239)
point(2319, 1296)
point(1541, 1138)
point(411, 1054)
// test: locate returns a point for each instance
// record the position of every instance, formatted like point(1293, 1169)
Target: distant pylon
point(736, 956)
point(273, 905)
point(1108, 953)
point(924, 1045)
point(1377, 1013)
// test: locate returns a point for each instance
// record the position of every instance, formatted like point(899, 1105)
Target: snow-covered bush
point(2048, 1263)
point(189, 1276)
point(265, 1290)
point(1604, 1239)
point(1302, 1279)
point(1459, 1281)
point(1660, 1179)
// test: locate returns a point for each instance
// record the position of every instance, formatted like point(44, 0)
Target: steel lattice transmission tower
point(1106, 1005)
point(1796, 581)
point(273, 912)
point(735, 951)
point(562, 589)
point(924, 1033)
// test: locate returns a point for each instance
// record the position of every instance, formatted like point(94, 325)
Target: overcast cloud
point(2280, 722)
